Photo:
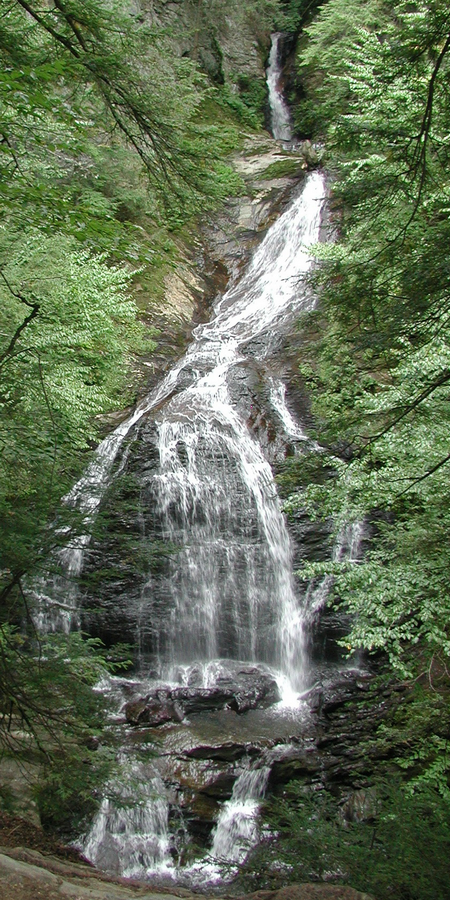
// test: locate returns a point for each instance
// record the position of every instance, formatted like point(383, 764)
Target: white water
point(280, 117)
point(347, 545)
point(230, 583)
point(130, 834)
point(291, 428)
point(236, 829)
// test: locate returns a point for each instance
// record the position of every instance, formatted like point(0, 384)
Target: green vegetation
point(111, 144)
point(379, 369)
point(46, 722)
point(295, 13)
point(282, 168)
point(399, 851)
point(375, 359)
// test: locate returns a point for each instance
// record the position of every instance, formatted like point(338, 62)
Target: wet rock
point(134, 710)
point(294, 764)
point(152, 711)
point(227, 752)
point(243, 689)
point(312, 153)
point(220, 787)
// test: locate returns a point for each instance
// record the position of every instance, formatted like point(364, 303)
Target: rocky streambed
point(196, 745)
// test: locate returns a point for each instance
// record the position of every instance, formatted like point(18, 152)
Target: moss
point(283, 168)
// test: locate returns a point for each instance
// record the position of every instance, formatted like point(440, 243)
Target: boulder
point(229, 751)
point(152, 711)
point(294, 764)
point(240, 689)
point(220, 787)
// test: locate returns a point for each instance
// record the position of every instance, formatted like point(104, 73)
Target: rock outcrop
point(28, 875)
point(247, 688)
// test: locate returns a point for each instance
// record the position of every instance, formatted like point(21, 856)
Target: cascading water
point(223, 618)
point(228, 590)
point(226, 598)
point(230, 582)
point(236, 829)
point(280, 119)
point(130, 834)
point(346, 546)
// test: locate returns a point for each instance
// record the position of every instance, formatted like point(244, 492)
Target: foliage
point(282, 168)
point(45, 721)
point(106, 146)
point(379, 372)
point(72, 66)
point(294, 13)
point(69, 324)
point(400, 851)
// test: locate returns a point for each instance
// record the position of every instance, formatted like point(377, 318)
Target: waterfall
point(229, 587)
point(291, 428)
point(130, 834)
point(280, 120)
point(236, 830)
point(229, 590)
point(230, 582)
point(224, 606)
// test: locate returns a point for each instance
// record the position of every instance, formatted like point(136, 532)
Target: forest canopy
point(377, 91)
point(102, 142)
point(110, 142)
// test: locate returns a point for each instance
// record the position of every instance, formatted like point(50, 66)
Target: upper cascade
point(280, 119)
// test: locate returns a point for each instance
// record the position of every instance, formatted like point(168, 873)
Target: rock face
point(309, 892)
point(229, 44)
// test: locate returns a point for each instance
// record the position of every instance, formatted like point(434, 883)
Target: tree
point(380, 377)
point(69, 64)
point(102, 134)
point(87, 89)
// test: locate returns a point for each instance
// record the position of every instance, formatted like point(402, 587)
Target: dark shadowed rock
point(152, 711)
point(228, 751)
point(220, 787)
point(294, 764)
point(241, 689)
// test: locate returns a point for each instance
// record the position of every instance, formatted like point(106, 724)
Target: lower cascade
point(236, 826)
point(130, 836)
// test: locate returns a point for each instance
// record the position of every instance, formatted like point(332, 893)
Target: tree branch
point(426, 475)
point(49, 28)
point(443, 378)
point(35, 307)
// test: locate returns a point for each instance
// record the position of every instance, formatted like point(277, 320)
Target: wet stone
point(248, 688)
point(228, 751)
point(294, 764)
point(220, 787)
